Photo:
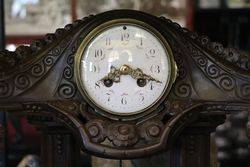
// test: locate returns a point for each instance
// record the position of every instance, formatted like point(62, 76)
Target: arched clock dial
point(124, 68)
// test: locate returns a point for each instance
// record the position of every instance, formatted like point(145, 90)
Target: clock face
point(124, 69)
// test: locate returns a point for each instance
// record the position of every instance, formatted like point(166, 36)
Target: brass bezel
point(101, 28)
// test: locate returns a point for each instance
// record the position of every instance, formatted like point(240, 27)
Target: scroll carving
point(183, 88)
point(18, 74)
point(67, 88)
point(30, 72)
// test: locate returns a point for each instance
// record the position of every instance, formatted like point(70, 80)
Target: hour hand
point(114, 75)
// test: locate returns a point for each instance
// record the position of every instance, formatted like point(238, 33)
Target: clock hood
point(39, 80)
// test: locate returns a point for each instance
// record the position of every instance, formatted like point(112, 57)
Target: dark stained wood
point(212, 81)
point(60, 149)
point(195, 150)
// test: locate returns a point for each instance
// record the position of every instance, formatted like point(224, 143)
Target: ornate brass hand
point(114, 75)
point(137, 73)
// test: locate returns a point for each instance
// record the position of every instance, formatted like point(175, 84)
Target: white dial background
point(124, 44)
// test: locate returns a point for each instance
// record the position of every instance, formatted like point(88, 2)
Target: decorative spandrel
point(42, 80)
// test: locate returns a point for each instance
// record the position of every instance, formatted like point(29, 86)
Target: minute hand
point(138, 74)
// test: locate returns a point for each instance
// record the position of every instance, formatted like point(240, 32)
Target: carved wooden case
point(39, 81)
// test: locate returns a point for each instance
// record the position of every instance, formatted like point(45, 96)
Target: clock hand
point(138, 74)
point(115, 74)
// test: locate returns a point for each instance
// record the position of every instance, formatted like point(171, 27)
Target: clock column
point(59, 147)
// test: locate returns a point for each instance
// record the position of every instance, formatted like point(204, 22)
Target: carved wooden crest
point(39, 80)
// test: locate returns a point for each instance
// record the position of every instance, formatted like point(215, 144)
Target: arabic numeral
point(108, 41)
point(152, 52)
point(99, 54)
point(155, 69)
point(109, 95)
point(142, 97)
point(124, 101)
point(151, 86)
point(140, 46)
point(94, 68)
point(141, 43)
point(125, 37)
point(98, 85)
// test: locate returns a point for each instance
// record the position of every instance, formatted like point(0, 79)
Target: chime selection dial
point(124, 68)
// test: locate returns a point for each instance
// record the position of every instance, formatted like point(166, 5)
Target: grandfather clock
point(123, 85)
